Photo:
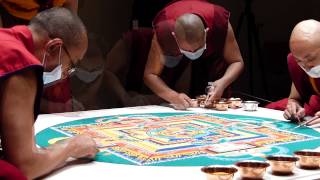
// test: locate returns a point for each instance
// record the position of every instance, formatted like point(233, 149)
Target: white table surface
point(99, 170)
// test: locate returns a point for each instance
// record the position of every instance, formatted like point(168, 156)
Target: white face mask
point(55, 74)
point(197, 54)
point(194, 55)
point(313, 72)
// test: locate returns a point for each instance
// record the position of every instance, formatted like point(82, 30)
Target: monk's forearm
point(294, 95)
point(232, 73)
point(159, 87)
point(294, 100)
point(43, 161)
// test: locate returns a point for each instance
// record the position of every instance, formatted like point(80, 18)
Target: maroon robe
point(60, 95)
point(17, 49)
point(211, 65)
point(9, 172)
point(308, 88)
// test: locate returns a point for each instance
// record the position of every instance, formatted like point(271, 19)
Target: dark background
point(108, 20)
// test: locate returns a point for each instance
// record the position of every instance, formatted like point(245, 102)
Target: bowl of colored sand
point(234, 103)
point(221, 104)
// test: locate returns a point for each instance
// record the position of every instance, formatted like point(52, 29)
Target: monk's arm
point(294, 95)
point(153, 71)
point(233, 57)
point(17, 131)
point(294, 111)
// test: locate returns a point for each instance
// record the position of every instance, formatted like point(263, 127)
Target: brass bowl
point(194, 103)
point(282, 164)
point(210, 105)
point(252, 169)
point(201, 100)
point(222, 106)
point(308, 159)
point(235, 103)
point(219, 172)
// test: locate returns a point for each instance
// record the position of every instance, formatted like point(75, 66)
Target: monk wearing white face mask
point(304, 69)
point(197, 33)
point(52, 43)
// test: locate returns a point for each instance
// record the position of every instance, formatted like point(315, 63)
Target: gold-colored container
point(210, 105)
point(282, 165)
point(235, 103)
point(219, 172)
point(194, 103)
point(222, 106)
point(308, 159)
point(252, 169)
point(201, 100)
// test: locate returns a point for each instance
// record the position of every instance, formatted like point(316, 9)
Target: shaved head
point(190, 29)
point(306, 32)
point(305, 43)
point(60, 23)
point(59, 37)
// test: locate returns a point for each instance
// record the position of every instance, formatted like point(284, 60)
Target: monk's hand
point(83, 146)
point(216, 90)
point(181, 101)
point(294, 111)
point(315, 120)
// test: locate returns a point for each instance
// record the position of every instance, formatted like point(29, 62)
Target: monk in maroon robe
point(9, 172)
point(30, 57)
point(192, 32)
point(304, 68)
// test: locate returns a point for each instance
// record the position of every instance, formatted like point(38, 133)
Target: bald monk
point(196, 32)
point(58, 97)
point(304, 68)
point(31, 56)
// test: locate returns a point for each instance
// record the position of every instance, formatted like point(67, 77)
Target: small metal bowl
point(210, 104)
point(282, 165)
point(222, 106)
point(194, 103)
point(250, 105)
point(308, 159)
point(201, 100)
point(234, 103)
point(252, 169)
point(219, 172)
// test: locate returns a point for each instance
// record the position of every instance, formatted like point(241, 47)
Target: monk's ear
point(53, 45)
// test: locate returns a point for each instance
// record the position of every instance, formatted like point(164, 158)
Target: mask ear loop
point(205, 35)
point(60, 54)
point(175, 38)
point(44, 59)
point(45, 54)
